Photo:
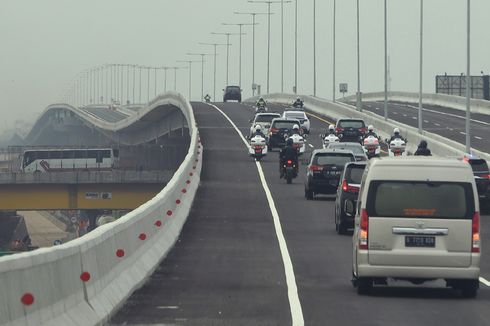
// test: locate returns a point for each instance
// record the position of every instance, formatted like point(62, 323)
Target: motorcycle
point(258, 147)
point(331, 138)
point(371, 147)
point(260, 109)
point(290, 171)
point(397, 147)
point(298, 142)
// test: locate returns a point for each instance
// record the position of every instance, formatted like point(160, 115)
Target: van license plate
point(420, 241)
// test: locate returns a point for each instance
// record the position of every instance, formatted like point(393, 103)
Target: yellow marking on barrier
point(320, 118)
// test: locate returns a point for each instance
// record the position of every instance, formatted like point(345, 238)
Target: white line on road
point(449, 114)
point(311, 145)
point(167, 307)
point(395, 113)
point(437, 124)
point(479, 138)
point(484, 281)
point(426, 121)
point(405, 115)
point(462, 133)
point(415, 118)
point(294, 303)
point(377, 108)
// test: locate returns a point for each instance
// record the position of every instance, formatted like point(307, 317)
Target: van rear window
point(444, 200)
point(479, 165)
point(353, 174)
point(333, 159)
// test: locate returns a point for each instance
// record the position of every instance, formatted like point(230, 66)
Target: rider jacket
point(258, 133)
point(396, 137)
point(289, 153)
point(298, 104)
point(371, 133)
point(260, 103)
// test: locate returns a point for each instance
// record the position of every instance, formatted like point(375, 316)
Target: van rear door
point(424, 223)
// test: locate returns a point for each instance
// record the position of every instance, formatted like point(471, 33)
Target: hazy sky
point(45, 43)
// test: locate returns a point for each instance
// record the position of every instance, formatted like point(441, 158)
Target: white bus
point(55, 160)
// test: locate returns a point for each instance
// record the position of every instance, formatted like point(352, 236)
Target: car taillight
point(314, 168)
point(475, 230)
point(339, 130)
point(363, 236)
point(486, 176)
point(290, 162)
point(348, 188)
point(363, 130)
point(274, 131)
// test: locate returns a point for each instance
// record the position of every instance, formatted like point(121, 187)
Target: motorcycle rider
point(422, 149)
point(261, 103)
point(298, 103)
point(396, 135)
point(371, 132)
point(258, 131)
point(288, 153)
point(296, 130)
point(331, 131)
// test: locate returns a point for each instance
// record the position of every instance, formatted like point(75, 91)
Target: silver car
point(417, 219)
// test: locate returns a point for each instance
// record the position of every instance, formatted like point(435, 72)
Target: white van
point(417, 219)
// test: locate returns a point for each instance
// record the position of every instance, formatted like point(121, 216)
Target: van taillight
point(274, 131)
point(475, 233)
point(315, 168)
point(348, 188)
point(339, 130)
point(363, 232)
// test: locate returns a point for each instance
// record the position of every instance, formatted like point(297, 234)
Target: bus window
point(55, 154)
point(81, 153)
point(68, 154)
point(106, 154)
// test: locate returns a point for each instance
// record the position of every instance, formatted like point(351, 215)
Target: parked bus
point(55, 160)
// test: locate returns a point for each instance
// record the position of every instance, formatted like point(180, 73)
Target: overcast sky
point(45, 43)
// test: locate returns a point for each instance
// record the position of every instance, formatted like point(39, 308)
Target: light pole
point(134, 81)
point(296, 46)
point(386, 63)
point(148, 83)
point(141, 67)
point(155, 71)
point(240, 54)
point(227, 53)
point(190, 75)
point(421, 62)
point(253, 14)
point(359, 100)
point(314, 47)
point(215, 45)
point(468, 77)
point(269, 3)
point(202, 71)
point(165, 78)
point(333, 48)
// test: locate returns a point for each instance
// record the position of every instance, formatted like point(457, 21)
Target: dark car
point(350, 130)
point(232, 93)
point(279, 127)
point(346, 200)
point(324, 170)
point(482, 178)
point(355, 148)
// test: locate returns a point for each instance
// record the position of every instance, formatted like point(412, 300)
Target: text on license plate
point(420, 241)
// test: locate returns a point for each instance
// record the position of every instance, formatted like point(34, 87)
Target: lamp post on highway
point(141, 67)
point(189, 62)
point(359, 100)
point(227, 53)
point(333, 48)
point(468, 77)
point(314, 47)
point(421, 63)
point(215, 45)
point(240, 50)
point(202, 71)
point(253, 14)
point(269, 3)
point(148, 83)
point(386, 61)
point(165, 78)
point(134, 81)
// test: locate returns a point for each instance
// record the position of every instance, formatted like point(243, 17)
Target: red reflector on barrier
point(120, 253)
point(169, 213)
point(188, 181)
point(142, 236)
point(194, 167)
point(178, 201)
point(27, 299)
point(184, 191)
point(191, 174)
point(158, 223)
point(85, 276)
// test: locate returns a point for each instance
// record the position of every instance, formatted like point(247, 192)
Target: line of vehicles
point(412, 218)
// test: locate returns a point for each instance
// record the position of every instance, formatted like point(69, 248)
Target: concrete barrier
point(439, 145)
point(85, 281)
point(450, 101)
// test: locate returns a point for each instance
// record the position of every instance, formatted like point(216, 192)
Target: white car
point(301, 116)
point(264, 120)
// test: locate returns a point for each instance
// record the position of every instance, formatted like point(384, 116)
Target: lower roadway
point(226, 268)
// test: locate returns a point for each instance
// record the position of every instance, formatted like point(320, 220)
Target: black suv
point(482, 178)
point(232, 93)
point(346, 200)
point(350, 130)
point(324, 170)
point(279, 127)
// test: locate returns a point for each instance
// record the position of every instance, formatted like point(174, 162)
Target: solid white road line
point(462, 133)
point(437, 124)
point(478, 138)
point(484, 281)
point(294, 303)
point(449, 114)
point(311, 145)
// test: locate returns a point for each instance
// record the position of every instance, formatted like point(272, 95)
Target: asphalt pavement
point(105, 114)
point(227, 269)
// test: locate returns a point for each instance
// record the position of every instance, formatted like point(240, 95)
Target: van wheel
point(308, 194)
point(364, 285)
point(341, 229)
point(469, 288)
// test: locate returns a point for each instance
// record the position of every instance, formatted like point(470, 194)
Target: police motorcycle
point(258, 144)
point(371, 146)
point(331, 137)
point(397, 147)
point(299, 142)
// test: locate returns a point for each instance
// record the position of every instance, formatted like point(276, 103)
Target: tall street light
point(359, 100)
point(189, 62)
point(240, 25)
point(215, 45)
point(333, 48)
point(269, 3)
point(421, 62)
point(227, 53)
point(202, 71)
point(468, 77)
point(386, 63)
point(253, 14)
point(165, 78)
point(175, 76)
point(314, 47)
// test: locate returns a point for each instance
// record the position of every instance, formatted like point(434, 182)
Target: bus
point(68, 159)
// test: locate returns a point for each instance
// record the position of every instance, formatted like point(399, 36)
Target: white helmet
point(295, 127)
point(298, 99)
point(370, 128)
point(396, 131)
point(258, 128)
point(331, 127)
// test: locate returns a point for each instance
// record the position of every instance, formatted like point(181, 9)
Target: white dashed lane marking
point(484, 281)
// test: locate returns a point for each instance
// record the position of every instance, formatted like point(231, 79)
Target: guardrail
point(84, 281)
point(450, 101)
point(439, 145)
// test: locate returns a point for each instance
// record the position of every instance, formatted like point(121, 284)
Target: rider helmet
point(370, 128)
point(331, 128)
point(295, 127)
point(258, 128)
point(396, 131)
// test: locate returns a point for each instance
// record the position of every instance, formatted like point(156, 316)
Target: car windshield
point(233, 89)
point(355, 148)
point(356, 124)
point(265, 117)
point(420, 199)
point(353, 173)
point(479, 165)
point(284, 124)
point(295, 115)
point(332, 159)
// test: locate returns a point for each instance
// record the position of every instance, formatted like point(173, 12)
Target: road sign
point(343, 88)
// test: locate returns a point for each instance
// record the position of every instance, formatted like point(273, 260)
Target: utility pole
point(190, 75)
point(202, 71)
point(421, 63)
point(227, 53)
point(468, 76)
point(215, 45)
point(240, 26)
